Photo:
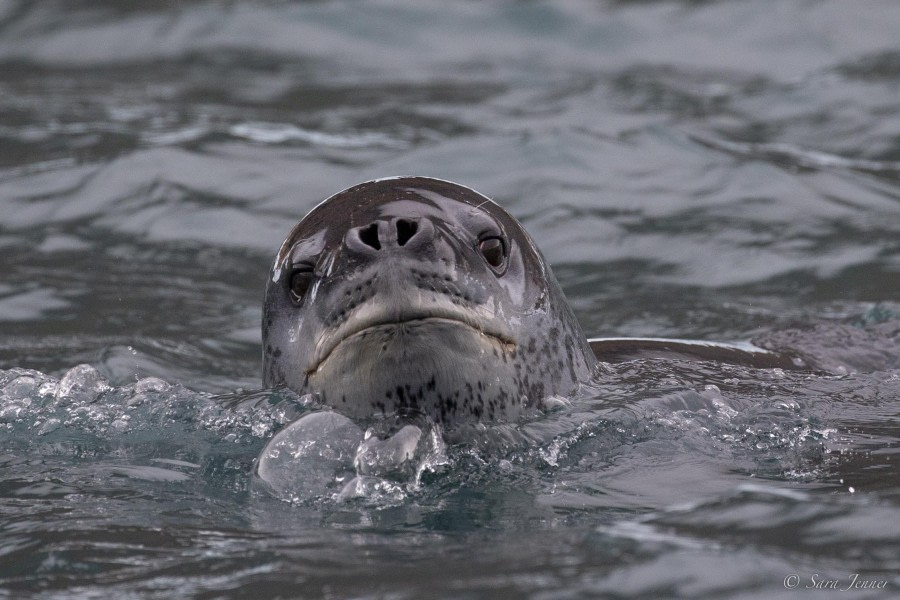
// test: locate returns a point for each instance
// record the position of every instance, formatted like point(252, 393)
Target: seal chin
point(432, 365)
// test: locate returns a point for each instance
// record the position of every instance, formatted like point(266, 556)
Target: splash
point(325, 455)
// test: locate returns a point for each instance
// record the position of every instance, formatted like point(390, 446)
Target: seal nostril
point(369, 236)
point(405, 231)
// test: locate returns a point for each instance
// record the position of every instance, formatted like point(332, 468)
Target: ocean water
point(719, 170)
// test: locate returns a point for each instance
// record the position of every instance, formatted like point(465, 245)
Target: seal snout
point(400, 233)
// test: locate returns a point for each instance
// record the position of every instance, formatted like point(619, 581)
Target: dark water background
point(717, 170)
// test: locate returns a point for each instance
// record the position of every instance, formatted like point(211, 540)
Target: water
point(705, 170)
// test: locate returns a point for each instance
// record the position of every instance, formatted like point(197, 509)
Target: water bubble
point(48, 388)
point(49, 426)
point(305, 459)
point(391, 457)
point(13, 411)
point(551, 454)
point(20, 387)
point(374, 489)
point(554, 403)
point(150, 384)
point(82, 383)
point(325, 455)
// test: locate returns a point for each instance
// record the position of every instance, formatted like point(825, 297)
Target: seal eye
point(493, 251)
point(301, 279)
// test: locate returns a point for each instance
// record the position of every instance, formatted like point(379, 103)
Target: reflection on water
point(714, 170)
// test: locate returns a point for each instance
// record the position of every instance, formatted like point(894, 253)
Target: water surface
point(706, 170)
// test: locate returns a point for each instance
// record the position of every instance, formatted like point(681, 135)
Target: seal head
point(419, 296)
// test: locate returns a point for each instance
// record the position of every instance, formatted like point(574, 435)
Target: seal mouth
point(354, 327)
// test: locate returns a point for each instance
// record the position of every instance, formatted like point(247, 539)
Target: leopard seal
point(414, 295)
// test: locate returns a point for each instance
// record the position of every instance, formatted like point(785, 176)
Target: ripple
point(795, 156)
point(279, 133)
